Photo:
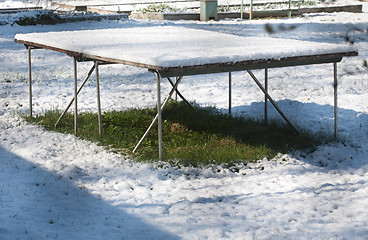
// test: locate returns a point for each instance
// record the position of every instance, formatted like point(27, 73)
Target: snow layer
point(56, 186)
point(168, 46)
point(9, 4)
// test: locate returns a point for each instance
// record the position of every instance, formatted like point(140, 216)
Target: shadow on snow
point(38, 204)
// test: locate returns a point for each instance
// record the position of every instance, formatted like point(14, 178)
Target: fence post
point(251, 10)
point(289, 13)
point(208, 10)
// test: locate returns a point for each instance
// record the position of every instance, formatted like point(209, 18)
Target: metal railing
point(251, 5)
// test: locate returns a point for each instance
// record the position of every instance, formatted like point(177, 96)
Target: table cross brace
point(156, 118)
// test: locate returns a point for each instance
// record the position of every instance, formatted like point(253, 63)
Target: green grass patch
point(190, 137)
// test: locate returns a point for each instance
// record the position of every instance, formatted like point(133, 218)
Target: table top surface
point(165, 47)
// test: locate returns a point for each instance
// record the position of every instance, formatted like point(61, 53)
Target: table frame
point(179, 73)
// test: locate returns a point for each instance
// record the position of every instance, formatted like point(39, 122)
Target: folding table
point(170, 51)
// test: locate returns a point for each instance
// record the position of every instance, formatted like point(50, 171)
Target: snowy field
point(55, 186)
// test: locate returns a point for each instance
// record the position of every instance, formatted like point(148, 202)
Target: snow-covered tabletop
point(163, 47)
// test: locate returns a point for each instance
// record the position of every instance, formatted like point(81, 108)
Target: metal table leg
point(98, 98)
point(335, 98)
point(159, 110)
point(271, 100)
point(80, 88)
point(266, 103)
point(230, 93)
point(159, 117)
point(75, 97)
point(30, 79)
point(178, 92)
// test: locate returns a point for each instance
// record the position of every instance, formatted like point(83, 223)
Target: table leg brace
point(271, 100)
point(80, 88)
point(179, 93)
point(158, 115)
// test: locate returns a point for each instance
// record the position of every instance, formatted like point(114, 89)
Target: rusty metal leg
point(335, 99)
point(30, 79)
point(75, 97)
point(271, 100)
point(229, 93)
point(80, 88)
point(266, 89)
point(98, 99)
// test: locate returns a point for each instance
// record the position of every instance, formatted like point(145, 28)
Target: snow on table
point(176, 51)
point(170, 47)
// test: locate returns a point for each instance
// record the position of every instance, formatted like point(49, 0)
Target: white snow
point(167, 46)
point(56, 186)
point(9, 4)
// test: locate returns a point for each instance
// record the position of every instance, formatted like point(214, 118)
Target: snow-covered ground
point(55, 186)
point(17, 4)
point(193, 6)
